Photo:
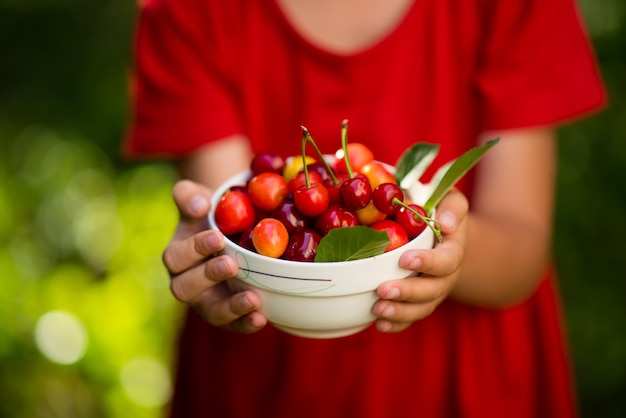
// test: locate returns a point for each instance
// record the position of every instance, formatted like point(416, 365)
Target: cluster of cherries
point(288, 205)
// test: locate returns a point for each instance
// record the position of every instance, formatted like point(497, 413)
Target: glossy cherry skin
point(245, 240)
point(397, 235)
point(234, 213)
point(320, 169)
point(268, 190)
point(267, 161)
point(302, 245)
point(270, 237)
point(300, 180)
point(358, 154)
point(383, 197)
point(333, 189)
point(376, 173)
point(412, 224)
point(355, 193)
point(335, 216)
point(290, 216)
point(311, 201)
point(370, 214)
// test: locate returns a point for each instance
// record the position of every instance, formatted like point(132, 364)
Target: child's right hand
point(198, 274)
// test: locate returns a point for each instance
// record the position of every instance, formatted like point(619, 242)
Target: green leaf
point(454, 172)
point(414, 162)
point(351, 243)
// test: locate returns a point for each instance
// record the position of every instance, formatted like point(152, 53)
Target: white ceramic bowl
point(317, 300)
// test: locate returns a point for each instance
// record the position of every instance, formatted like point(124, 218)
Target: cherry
point(270, 237)
point(312, 200)
point(412, 224)
point(300, 180)
point(355, 193)
point(369, 214)
point(333, 189)
point(290, 216)
point(294, 165)
point(320, 169)
point(397, 235)
point(245, 240)
point(386, 197)
point(268, 190)
point(302, 245)
point(376, 173)
point(335, 216)
point(358, 154)
point(234, 213)
point(267, 161)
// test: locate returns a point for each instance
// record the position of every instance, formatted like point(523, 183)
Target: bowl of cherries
point(315, 236)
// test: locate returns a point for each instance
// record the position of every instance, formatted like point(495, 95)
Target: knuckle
point(169, 261)
point(179, 291)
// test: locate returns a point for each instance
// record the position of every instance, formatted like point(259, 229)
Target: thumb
point(193, 201)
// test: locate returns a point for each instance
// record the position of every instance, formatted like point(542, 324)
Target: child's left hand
point(404, 301)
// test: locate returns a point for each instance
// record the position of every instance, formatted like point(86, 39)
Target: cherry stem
point(344, 146)
point(432, 224)
point(306, 137)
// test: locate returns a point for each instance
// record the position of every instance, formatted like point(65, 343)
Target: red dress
point(449, 70)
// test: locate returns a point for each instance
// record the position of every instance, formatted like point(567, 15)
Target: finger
point(416, 290)
point(443, 260)
point(183, 254)
point(191, 198)
point(249, 323)
point(384, 325)
point(193, 202)
point(452, 210)
point(237, 311)
point(189, 286)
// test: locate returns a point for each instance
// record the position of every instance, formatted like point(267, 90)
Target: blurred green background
point(86, 318)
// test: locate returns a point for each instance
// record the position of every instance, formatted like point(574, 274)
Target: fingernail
point(388, 311)
point(198, 204)
point(392, 293)
point(213, 241)
point(447, 220)
point(223, 267)
point(244, 303)
point(410, 262)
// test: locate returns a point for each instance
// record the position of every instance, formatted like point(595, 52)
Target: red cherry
point(267, 161)
point(333, 189)
point(397, 235)
point(355, 193)
point(302, 245)
point(383, 197)
point(268, 190)
point(270, 237)
point(290, 216)
point(245, 240)
point(311, 201)
point(335, 216)
point(299, 180)
point(411, 223)
point(319, 168)
point(234, 213)
point(358, 154)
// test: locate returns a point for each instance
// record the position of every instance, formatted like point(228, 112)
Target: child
point(479, 333)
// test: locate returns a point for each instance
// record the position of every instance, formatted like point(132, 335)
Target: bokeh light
point(146, 381)
point(61, 337)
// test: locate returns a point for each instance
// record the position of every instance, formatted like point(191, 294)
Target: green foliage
point(81, 232)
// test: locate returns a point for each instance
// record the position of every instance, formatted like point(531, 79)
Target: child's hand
point(405, 301)
point(198, 275)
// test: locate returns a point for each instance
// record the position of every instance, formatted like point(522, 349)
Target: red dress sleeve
point(536, 66)
point(181, 93)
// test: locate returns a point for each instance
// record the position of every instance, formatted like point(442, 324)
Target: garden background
point(86, 318)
